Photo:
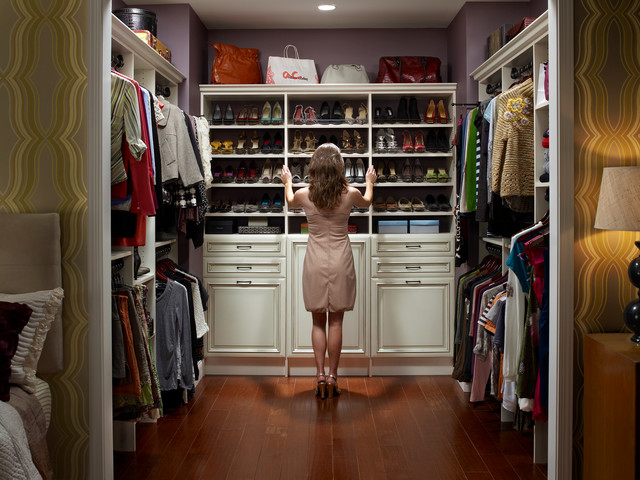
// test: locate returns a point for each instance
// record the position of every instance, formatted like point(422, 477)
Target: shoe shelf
point(316, 111)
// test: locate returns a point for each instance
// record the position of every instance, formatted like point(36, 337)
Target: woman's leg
point(335, 341)
point(319, 340)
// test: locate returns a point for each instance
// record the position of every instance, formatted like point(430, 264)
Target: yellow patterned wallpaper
point(607, 133)
point(43, 79)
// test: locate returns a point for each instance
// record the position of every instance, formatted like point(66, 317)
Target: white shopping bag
point(291, 70)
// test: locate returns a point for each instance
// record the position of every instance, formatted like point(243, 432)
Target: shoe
point(332, 387)
point(325, 113)
point(443, 203)
point(407, 171)
point(225, 207)
point(377, 115)
point(215, 206)
point(349, 171)
point(266, 144)
point(337, 114)
point(414, 116)
point(265, 119)
point(404, 205)
point(348, 113)
point(358, 145)
point(267, 172)
point(277, 172)
point(390, 138)
point(305, 177)
point(215, 147)
point(310, 142)
point(242, 117)
point(298, 115)
point(407, 142)
point(296, 147)
point(321, 387)
point(431, 145)
point(418, 173)
point(276, 114)
point(276, 205)
point(322, 139)
point(277, 146)
point(228, 116)
point(381, 146)
point(419, 146)
point(403, 112)
point(431, 176)
point(443, 117)
point(241, 176)
point(296, 171)
point(359, 171)
point(362, 114)
point(431, 204)
point(379, 205)
point(237, 207)
point(240, 147)
point(227, 147)
point(391, 175)
point(417, 205)
point(333, 139)
point(254, 118)
point(252, 172)
point(430, 114)
point(228, 175)
point(442, 144)
point(310, 116)
point(381, 176)
point(389, 115)
point(255, 143)
point(217, 174)
point(346, 147)
point(251, 206)
point(443, 177)
point(265, 204)
point(391, 204)
point(216, 119)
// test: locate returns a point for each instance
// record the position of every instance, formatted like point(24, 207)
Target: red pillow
point(13, 318)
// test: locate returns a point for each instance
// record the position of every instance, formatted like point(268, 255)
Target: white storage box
point(424, 226)
point(392, 226)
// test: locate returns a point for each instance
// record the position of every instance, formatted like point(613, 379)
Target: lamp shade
point(619, 200)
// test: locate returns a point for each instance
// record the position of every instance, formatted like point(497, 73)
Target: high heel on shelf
point(276, 114)
point(321, 387)
point(337, 114)
point(253, 116)
point(346, 147)
point(358, 144)
point(215, 147)
point(216, 119)
point(362, 114)
point(359, 175)
point(310, 142)
point(390, 138)
point(298, 115)
point(240, 147)
point(349, 170)
point(382, 177)
point(296, 147)
point(443, 117)
point(255, 143)
point(243, 115)
point(266, 114)
point(407, 142)
point(227, 146)
point(419, 143)
point(348, 113)
point(430, 114)
point(332, 387)
point(310, 116)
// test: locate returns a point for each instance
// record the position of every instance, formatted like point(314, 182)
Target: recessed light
point(326, 8)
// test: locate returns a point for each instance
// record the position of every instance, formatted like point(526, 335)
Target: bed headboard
point(30, 260)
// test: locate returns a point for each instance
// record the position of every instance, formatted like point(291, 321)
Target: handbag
point(345, 73)
point(409, 70)
point(518, 27)
point(291, 70)
point(233, 65)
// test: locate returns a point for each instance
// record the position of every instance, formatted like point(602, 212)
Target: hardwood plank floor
point(379, 428)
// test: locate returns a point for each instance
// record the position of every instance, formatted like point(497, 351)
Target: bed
point(31, 275)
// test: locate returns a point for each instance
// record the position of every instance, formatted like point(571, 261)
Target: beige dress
point(328, 275)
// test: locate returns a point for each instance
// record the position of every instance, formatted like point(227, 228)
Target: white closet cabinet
point(355, 328)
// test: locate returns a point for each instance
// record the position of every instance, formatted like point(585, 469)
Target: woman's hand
point(371, 175)
point(286, 175)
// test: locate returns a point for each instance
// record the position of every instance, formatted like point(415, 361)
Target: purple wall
point(361, 46)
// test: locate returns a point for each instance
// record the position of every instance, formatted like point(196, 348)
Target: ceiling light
point(326, 7)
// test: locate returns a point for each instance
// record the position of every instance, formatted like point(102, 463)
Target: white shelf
point(499, 241)
point(146, 278)
point(542, 105)
point(165, 242)
point(118, 254)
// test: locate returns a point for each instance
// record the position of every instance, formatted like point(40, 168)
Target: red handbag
point(519, 27)
point(234, 65)
point(409, 70)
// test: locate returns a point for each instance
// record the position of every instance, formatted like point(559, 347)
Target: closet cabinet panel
point(411, 316)
point(408, 245)
point(245, 315)
point(244, 244)
point(415, 266)
point(355, 328)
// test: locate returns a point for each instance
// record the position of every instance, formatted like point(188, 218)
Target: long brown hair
point(326, 177)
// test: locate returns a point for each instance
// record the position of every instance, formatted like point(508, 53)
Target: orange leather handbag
point(234, 65)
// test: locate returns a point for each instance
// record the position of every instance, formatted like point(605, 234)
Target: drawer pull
point(413, 246)
point(413, 267)
point(243, 282)
point(243, 247)
point(413, 282)
point(243, 268)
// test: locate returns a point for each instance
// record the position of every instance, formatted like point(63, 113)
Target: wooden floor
point(379, 428)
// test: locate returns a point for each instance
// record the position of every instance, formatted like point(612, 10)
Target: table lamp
point(619, 209)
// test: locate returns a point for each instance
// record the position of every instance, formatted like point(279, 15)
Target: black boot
point(402, 114)
point(414, 116)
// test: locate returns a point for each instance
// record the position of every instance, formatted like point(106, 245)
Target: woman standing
point(328, 276)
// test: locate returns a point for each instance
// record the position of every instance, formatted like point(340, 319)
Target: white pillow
point(45, 305)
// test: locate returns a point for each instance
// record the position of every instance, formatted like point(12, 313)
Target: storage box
point(392, 226)
point(497, 39)
point(154, 43)
point(258, 229)
point(424, 226)
point(218, 226)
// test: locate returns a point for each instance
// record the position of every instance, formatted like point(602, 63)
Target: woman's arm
point(363, 201)
point(288, 188)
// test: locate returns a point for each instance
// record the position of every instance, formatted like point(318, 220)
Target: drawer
point(243, 245)
point(267, 266)
point(412, 245)
point(414, 266)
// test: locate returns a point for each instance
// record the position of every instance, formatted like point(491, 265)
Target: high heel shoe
point(310, 116)
point(390, 138)
point(216, 119)
point(228, 115)
point(362, 114)
point(389, 114)
point(382, 177)
point(443, 117)
point(414, 116)
point(321, 387)
point(310, 142)
point(359, 171)
point(332, 387)
point(380, 141)
point(298, 115)
point(297, 142)
point(358, 144)
point(253, 116)
point(215, 147)
point(346, 147)
point(419, 143)
point(348, 113)
point(337, 114)
point(227, 146)
point(243, 115)
point(430, 114)
point(325, 113)
point(266, 114)
point(348, 170)
point(266, 144)
point(407, 142)
point(277, 146)
point(418, 173)
point(276, 114)
point(240, 147)
point(392, 176)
